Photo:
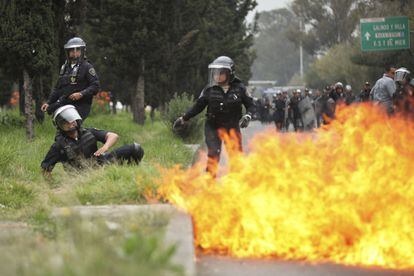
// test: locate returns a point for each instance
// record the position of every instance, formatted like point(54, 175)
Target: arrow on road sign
point(367, 35)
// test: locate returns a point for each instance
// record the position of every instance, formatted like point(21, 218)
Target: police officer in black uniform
point(294, 107)
point(224, 96)
point(77, 148)
point(280, 108)
point(77, 83)
point(365, 92)
point(403, 97)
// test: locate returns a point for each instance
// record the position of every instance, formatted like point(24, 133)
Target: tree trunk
point(21, 98)
point(28, 105)
point(137, 101)
point(38, 96)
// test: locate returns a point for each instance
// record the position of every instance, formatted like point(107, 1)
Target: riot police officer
point(337, 94)
point(77, 83)
point(328, 106)
point(295, 111)
point(279, 113)
point(403, 96)
point(224, 96)
point(365, 93)
point(349, 96)
point(76, 147)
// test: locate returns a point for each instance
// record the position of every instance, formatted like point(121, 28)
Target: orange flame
point(342, 194)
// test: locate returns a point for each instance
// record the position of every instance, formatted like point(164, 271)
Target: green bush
point(11, 118)
point(192, 130)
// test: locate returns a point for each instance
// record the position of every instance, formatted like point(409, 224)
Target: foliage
point(24, 191)
point(192, 130)
point(92, 247)
point(101, 102)
point(377, 61)
point(277, 57)
point(27, 36)
point(333, 33)
point(336, 65)
point(11, 119)
point(123, 33)
point(328, 22)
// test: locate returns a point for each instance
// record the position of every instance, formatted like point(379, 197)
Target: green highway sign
point(388, 33)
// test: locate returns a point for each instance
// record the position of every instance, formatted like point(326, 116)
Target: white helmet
point(401, 74)
point(64, 116)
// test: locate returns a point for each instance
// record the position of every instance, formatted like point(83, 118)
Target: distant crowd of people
point(299, 110)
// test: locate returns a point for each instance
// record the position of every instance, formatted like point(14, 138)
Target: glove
point(60, 102)
point(178, 123)
point(245, 120)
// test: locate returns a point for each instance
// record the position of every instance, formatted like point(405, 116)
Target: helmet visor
point(75, 54)
point(66, 118)
point(400, 75)
point(218, 76)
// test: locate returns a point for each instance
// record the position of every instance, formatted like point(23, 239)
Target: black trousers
point(214, 140)
point(129, 153)
point(83, 109)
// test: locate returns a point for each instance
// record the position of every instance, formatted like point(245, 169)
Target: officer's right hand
point(47, 174)
point(44, 107)
point(178, 123)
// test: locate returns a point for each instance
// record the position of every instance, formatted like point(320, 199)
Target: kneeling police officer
point(75, 145)
point(224, 96)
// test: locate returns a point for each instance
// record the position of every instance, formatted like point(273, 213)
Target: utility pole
point(301, 50)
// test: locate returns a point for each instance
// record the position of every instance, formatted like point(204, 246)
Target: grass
point(92, 247)
point(24, 191)
point(75, 246)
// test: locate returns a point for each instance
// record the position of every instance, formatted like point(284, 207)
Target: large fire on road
point(344, 194)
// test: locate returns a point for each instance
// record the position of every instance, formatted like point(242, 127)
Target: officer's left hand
point(75, 96)
point(101, 151)
point(245, 120)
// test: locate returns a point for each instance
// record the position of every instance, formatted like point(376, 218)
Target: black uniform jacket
point(80, 78)
point(223, 109)
point(66, 149)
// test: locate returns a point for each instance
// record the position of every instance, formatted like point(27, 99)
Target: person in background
point(364, 95)
point(384, 89)
point(349, 96)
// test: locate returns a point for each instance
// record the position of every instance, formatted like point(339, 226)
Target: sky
point(263, 5)
point(266, 5)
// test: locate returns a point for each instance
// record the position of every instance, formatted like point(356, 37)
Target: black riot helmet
point(64, 118)
point(75, 43)
point(218, 69)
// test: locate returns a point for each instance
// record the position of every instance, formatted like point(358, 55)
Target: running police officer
point(224, 96)
point(76, 147)
point(77, 83)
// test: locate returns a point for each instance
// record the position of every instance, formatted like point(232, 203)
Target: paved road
point(223, 266)
point(247, 134)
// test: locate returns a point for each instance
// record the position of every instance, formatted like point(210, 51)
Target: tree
point(378, 60)
point(277, 58)
point(152, 49)
point(27, 41)
point(336, 65)
point(328, 22)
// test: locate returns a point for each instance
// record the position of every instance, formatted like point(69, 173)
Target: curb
point(179, 231)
